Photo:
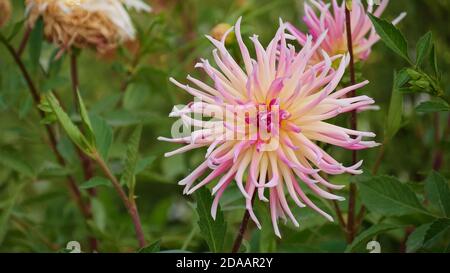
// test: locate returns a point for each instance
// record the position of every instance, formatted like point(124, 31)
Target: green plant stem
point(240, 236)
point(24, 41)
point(242, 229)
point(72, 186)
point(353, 124)
point(86, 162)
point(129, 204)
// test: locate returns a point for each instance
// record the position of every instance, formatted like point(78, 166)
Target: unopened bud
point(413, 74)
point(220, 30)
point(424, 84)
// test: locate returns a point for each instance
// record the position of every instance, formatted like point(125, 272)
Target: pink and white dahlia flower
point(261, 123)
point(332, 21)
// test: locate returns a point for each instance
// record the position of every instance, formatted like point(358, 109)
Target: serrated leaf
point(438, 192)
point(69, 127)
point(16, 163)
point(35, 46)
point(391, 36)
point(212, 231)
point(427, 234)
point(7, 210)
point(144, 163)
point(86, 121)
point(103, 134)
point(128, 176)
point(389, 197)
point(394, 118)
point(365, 236)
point(433, 107)
point(434, 61)
point(95, 182)
point(416, 238)
point(423, 48)
point(152, 248)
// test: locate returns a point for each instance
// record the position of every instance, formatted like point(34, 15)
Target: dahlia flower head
point(331, 18)
point(99, 24)
point(262, 124)
point(5, 11)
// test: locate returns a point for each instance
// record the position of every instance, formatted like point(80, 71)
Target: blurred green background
point(37, 214)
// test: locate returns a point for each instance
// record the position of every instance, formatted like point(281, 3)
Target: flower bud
point(422, 83)
point(219, 31)
point(413, 74)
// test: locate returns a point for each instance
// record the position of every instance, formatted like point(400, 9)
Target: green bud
point(424, 84)
point(413, 74)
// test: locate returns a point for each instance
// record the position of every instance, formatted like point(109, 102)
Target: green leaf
point(388, 196)
point(394, 118)
point(86, 121)
point(365, 236)
point(95, 182)
point(438, 192)
point(423, 48)
point(103, 134)
point(416, 238)
point(152, 248)
point(212, 231)
point(434, 60)
point(433, 107)
point(7, 210)
point(426, 235)
point(401, 78)
point(69, 127)
point(15, 162)
point(35, 46)
point(267, 240)
point(391, 36)
point(16, 29)
point(128, 176)
point(144, 163)
point(99, 214)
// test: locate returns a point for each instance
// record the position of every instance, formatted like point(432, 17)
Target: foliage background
point(37, 214)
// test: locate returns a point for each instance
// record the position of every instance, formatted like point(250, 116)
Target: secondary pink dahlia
point(332, 21)
point(261, 124)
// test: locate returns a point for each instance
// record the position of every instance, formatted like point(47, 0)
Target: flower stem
point(353, 124)
point(24, 41)
point(86, 162)
point(129, 204)
point(242, 229)
point(73, 188)
point(240, 236)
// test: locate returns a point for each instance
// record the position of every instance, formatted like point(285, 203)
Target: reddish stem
point(353, 124)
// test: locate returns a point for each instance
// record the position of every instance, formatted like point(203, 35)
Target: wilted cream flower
point(5, 11)
point(101, 24)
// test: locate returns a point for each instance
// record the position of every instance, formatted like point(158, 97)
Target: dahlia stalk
point(99, 24)
point(265, 122)
point(332, 20)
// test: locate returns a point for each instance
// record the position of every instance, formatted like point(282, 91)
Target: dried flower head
point(332, 21)
point(5, 12)
point(262, 124)
point(100, 24)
